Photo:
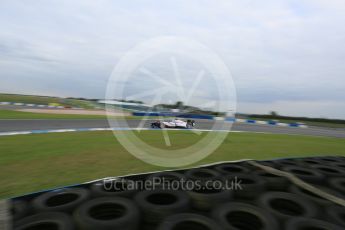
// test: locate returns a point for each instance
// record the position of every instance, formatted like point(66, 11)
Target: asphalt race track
point(27, 124)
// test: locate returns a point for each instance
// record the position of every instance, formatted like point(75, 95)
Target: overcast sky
point(287, 56)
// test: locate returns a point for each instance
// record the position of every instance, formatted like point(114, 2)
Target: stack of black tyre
point(263, 201)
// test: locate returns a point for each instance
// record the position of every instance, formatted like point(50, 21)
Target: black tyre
point(307, 223)
point(339, 165)
point(336, 214)
point(226, 169)
point(209, 196)
point(273, 182)
point(113, 188)
point(234, 216)
point(167, 180)
point(287, 205)
point(338, 184)
point(65, 200)
point(330, 171)
point(313, 197)
point(287, 162)
point(307, 175)
point(156, 205)
point(202, 175)
point(271, 164)
point(331, 159)
point(188, 221)
point(309, 162)
point(45, 221)
point(19, 209)
point(107, 213)
point(246, 186)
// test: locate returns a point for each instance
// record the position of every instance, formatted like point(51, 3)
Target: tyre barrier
point(336, 214)
point(313, 197)
point(107, 213)
point(285, 205)
point(222, 196)
point(308, 175)
point(307, 223)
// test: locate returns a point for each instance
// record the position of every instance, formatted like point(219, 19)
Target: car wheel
point(234, 216)
point(107, 213)
point(287, 205)
point(158, 204)
point(307, 223)
point(186, 221)
point(64, 200)
point(48, 220)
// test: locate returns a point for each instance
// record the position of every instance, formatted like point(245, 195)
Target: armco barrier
point(210, 117)
point(181, 115)
point(218, 196)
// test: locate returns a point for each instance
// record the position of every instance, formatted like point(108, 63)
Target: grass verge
point(31, 163)
point(15, 115)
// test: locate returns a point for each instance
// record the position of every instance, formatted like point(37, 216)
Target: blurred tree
point(273, 113)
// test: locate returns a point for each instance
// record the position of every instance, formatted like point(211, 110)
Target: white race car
point(176, 123)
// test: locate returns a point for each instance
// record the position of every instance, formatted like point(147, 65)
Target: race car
point(175, 123)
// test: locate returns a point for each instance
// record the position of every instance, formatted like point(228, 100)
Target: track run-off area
point(26, 126)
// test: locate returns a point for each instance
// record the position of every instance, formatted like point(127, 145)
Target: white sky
point(287, 56)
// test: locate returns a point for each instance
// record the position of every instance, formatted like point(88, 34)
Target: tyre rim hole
point(342, 217)
point(43, 226)
point(107, 211)
point(232, 169)
point(265, 174)
point(341, 166)
point(207, 190)
point(161, 199)
point(244, 220)
point(287, 207)
point(301, 172)
point(330, 160)
point(246, 181)
point(190, 225)
point(203, 174)
point(61, 199)
point(328, 170)
point(342, 184)
point(311, 162)
point(311, 228)
point(286, 163)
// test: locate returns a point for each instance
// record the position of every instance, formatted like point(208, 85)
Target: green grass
point(41, 161)
point(44, 100)
point(12, 114)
